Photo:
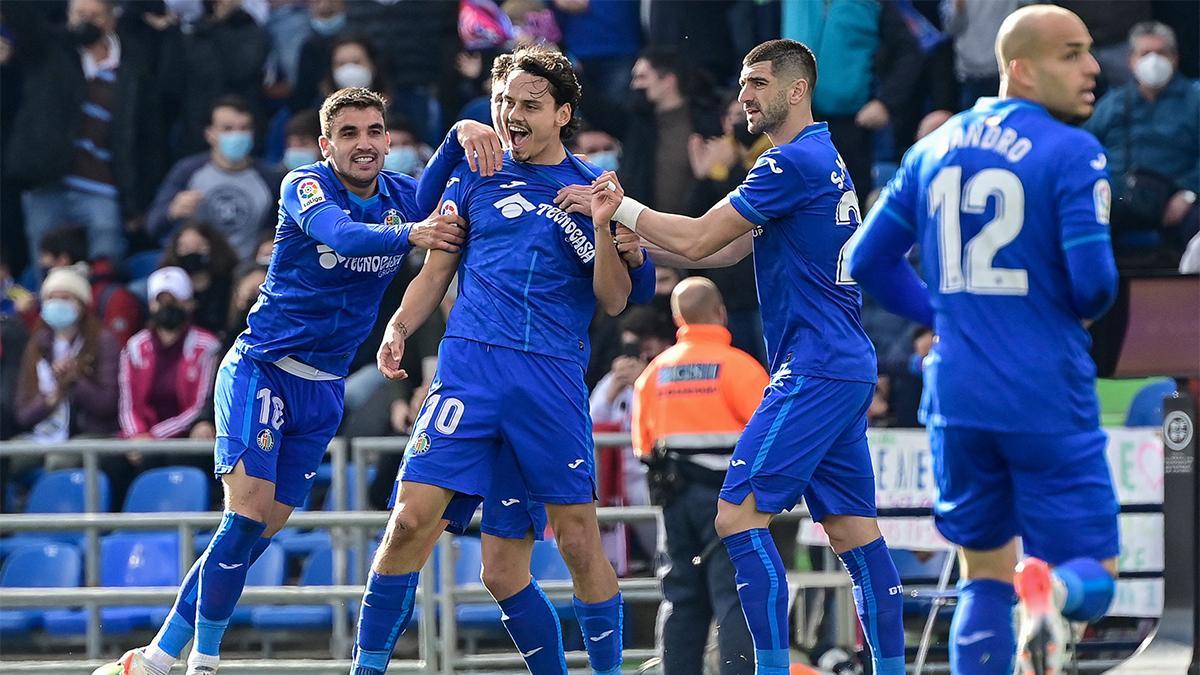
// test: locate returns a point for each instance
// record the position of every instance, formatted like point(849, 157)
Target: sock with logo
point(1090, 589)
point(222, 577)
point(533, 624)
point(387, 606)
point(602, 624)
point(762, 588)
point(983, 640)
point(180, 625)
point(879, 598)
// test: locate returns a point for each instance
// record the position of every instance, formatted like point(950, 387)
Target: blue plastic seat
point(547, 564)
point(172, 488)
point(317, 571)
point(126, 559)
point(57, 492)
point(468, 564)
point(1146, 408)
point(46, 565)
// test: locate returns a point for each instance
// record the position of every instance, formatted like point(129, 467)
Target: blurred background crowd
point(141, 135)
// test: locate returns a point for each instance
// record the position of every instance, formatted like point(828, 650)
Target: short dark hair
point(234, 101)
point(68, 240)
point(666, 61)
point(786, 56)
point(350, 97)
point(556, 68)
point(306, 123)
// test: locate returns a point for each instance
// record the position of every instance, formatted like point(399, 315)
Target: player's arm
point(692, 238)
point(610, 275)
point(304, 199)
point(421, 298)
point(1084, 199)
point(877, 254)
point(467, 139)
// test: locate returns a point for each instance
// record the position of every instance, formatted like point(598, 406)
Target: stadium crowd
point(144, 143)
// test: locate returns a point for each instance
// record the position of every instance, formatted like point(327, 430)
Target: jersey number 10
point(970, 268)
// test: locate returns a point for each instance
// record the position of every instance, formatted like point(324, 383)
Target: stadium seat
point(57, 492)
point(548, 565)
point(172, 488)
point(126, 559)
point(1146, 408)
point(317, 571)
point(468, 563)
point(46, 565)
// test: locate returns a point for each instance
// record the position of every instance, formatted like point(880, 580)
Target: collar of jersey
point(811, 130)
point(380, 186)
point(571, 159)
point(708, 332)
point(995, 102)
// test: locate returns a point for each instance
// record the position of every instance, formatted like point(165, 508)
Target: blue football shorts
point(488, 402)
point(1055, 491)
point(277, 424)
point(808, 438)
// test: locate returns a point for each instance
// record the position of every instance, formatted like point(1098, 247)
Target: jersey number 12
point(970, 268)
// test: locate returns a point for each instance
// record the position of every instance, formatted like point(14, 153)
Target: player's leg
point(557, 462)
point(1068, 513)
point(841, 496)
point(975, 510)
point(511, 524)
point(772, 464)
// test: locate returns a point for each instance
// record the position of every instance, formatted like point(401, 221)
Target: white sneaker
point(1042, 643)
point(133, 662)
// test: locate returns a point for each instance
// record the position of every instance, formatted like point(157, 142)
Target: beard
point(772, 115)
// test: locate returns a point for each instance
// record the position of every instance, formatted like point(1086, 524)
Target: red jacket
point(201, 349)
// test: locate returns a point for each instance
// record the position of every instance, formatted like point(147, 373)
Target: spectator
point(873, 59)
point(86, 139)
point(13, 338)
point(300, 139)
point(201, 251)
point(605, 37)
point(67, 385)
point(118, 310)
point(222, 55)
point(166, 368)
point(1150, 130)
point(700, 386)
point(289, 24)
point(598, 146)
point(354, 62)
point(407, 154)
point(328, 21)
point(249, 279)
point(974, 24)
point(655, 164)
point(224, 186)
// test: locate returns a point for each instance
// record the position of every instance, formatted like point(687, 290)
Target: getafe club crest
point(421, 443)
point(265, 440)
point(392, 218)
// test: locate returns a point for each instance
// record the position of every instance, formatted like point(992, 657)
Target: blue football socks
point(879, 598)
point(222, 577)
point(601, 624)
point(762, 587)
point(533, 624)
point(983, 640)
point(1090, 589)
point(386, 609)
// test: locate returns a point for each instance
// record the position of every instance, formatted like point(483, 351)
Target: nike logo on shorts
point(601, 636)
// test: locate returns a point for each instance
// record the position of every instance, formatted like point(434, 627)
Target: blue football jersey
point(334, 256)
point(802, 202)
point(525, 277)
point(994, 199)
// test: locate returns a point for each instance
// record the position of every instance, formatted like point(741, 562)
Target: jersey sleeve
point(439, 169)
point(878, 260)
point(308, 199)
point(644, 281)
point(1083, 197)
point(774, 188)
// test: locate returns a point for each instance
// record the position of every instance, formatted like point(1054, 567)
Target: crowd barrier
point(904, 493)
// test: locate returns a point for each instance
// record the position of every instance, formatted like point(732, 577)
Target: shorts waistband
point(304, 371)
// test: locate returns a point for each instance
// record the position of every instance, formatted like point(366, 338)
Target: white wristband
point(628, 211)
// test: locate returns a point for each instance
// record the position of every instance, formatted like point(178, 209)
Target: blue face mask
point(404, 159)
point(330, 26)
point(294, 158)
point(235, 145)
point(60, 314)
point(607, 160)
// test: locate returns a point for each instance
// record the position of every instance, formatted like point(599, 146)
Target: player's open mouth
point(518, 135)
point(363, 160)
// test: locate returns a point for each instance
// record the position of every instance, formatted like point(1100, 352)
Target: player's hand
point(439, 232)
point(481, 145)
point(629, 246)
point(607, 194)
point(575, 199)
point(391, 350)
point(873, 115)
point(184, 204)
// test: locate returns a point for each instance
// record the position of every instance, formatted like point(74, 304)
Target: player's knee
point(404, 527)
point(731, 519)
point(848, 532)
point(503, 580)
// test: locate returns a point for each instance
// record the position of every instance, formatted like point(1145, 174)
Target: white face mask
point(352, 75)
point(1153, 70)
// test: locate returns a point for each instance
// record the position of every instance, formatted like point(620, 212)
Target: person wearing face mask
point(67, 384)
point(300, 139)
point(225, 186)
point(201, 251)
point(407, 154)
point(1150, 130)
point(327, 19)
point(88, 95)
point(354, 62)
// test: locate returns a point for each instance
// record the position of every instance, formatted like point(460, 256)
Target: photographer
point(701, 386)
